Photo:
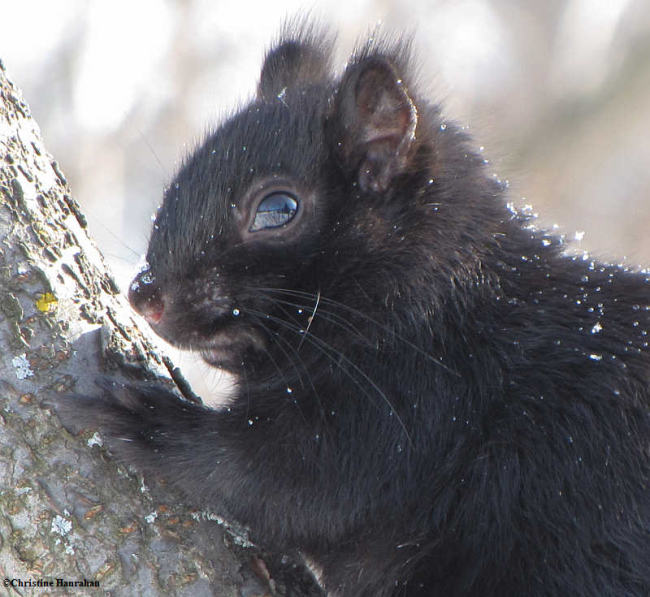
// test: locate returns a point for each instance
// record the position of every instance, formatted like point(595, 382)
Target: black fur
point(433, 398)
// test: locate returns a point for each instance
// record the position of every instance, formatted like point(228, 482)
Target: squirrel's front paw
point(133, 419)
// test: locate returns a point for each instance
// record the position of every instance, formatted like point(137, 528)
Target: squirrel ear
point(294, 62)
point(374, 122)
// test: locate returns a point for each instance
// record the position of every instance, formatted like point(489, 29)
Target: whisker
point(279, 303)
point(295, 350)
point(311, 318)
point(279, 369)
point(277, 337)
point(335, 303)
point(248, 391)
point(329, 316)
point(288, 344)
point(304, 366)
point(325, 347)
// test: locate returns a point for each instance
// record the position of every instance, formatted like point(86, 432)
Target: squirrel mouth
point(226, 349)
point(217, 357)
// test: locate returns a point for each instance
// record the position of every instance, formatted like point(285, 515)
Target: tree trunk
point(68, 513)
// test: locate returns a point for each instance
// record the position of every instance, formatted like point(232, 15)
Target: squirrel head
point(346, 187)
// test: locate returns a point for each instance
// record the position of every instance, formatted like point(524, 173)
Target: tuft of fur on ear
point(373, 116)
point(301, 56)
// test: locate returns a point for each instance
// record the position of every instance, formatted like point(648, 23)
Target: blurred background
point(555, 92)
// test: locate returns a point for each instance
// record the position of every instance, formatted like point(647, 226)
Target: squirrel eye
point(274, 211)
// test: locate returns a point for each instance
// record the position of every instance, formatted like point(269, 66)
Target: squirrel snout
point(151, 309)
point(145, 297)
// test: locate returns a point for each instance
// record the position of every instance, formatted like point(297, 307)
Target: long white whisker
point(334, 303)
point(311, 318)
point(323, 345)
point(275, 364)
point(327, 315)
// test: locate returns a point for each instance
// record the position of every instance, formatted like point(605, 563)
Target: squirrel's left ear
point(301, 57)
point(372, 123)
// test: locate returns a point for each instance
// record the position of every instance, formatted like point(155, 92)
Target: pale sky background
point(556, 91)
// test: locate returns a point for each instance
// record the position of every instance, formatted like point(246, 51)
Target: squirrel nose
point(145, 297)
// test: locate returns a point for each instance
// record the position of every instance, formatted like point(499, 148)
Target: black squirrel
point(433, 397)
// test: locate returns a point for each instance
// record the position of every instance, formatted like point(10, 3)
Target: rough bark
point(67, 510)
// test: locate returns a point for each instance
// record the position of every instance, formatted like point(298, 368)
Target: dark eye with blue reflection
point(274, 211)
